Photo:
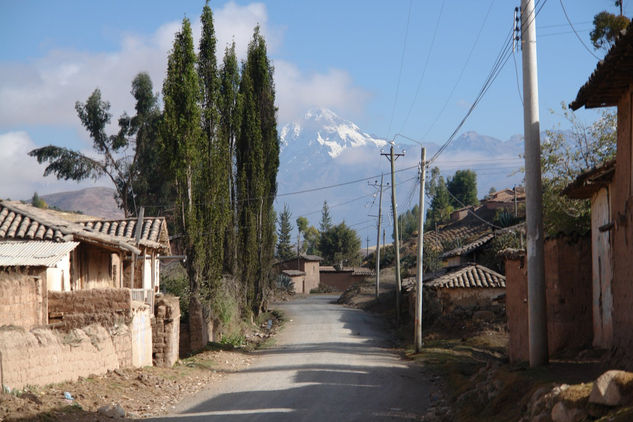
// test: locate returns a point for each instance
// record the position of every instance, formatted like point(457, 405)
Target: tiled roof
point(305, 257)
point(589, 182)
point(471, 276)
point(33, 253)
point(507, 195)
point(469, 247)
point(611, 78)
point(293, 273)
point(455, 231)
point(153, 234)
point(24, 222)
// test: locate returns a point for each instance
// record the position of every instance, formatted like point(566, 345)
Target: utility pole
point(377, 253)
point(367, 247)
point(392, 159)
point(537, 310)
point(420, 272)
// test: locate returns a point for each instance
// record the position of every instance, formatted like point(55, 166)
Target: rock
point(562, 413)
point(612, 388)
point(542, 417)
point(112, 411)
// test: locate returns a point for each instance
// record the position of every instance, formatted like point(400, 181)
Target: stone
point(112, 411)
point(562, 413)
point(542, 417)
point(612, 388)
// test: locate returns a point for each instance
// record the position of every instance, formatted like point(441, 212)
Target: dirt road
point(329, 363)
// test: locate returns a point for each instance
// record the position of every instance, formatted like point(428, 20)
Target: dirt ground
point(140, 393)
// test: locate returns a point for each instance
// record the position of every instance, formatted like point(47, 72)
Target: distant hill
point(98, 202)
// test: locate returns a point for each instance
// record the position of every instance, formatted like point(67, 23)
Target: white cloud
point(43, 91)
point(296, 92)
point(21, 175)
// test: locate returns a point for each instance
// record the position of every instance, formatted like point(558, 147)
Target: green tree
point(607, 26)
point(564, 155)
point(148, 181)
point(214, 191)
point(310, 244)
point(74, 165)
point(227, 132)
point(38, 202)
point(340, 244)
point(326, 218)
point(284, 247)
point(408, 223)
point(182, 144)
point(463, 187)
point(261, 70)
point(440, 207)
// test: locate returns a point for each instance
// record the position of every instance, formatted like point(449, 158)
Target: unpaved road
point(329, 363)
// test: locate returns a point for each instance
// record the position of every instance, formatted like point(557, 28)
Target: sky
point(399, 66)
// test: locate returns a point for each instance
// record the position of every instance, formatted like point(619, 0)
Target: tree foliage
point(463, 188)
point(284, 246)
point(340, 244)
point(607, 26)
point(564, 155)
point(326, 218)
point(440, 207)
point(408, 223)
point(38, 202)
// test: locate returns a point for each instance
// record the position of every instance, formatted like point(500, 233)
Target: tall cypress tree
point(213, 184)
point(182, 145)
point(260, 72)
point(284, 247)
point(227, 132)
point(250, 189)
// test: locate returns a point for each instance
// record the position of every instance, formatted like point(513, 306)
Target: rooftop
point(469, 276)
point(611, 78)
point(589, 182)
point(34, 253)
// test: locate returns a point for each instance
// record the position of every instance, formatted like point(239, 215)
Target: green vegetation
point(565, 155)
point(284, 247)
point(340, 244)
point(38, 202)
point(447, 196)
point(607, 26)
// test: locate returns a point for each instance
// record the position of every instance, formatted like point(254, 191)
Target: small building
point(309, 265)
point(466, 253)
point(469, 286)
point(340, 279)
point(511, 200)
point(597, 185)
point(611, 84)
point(297, 279)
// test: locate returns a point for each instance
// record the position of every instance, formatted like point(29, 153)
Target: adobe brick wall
point(166, 331)
point(43, 356)
point(76, 309)
point(22, 302)
point(340, 280)
point(141, 333)
point(568, 297)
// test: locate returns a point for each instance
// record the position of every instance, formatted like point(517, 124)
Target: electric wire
point(461, 73)
point(426, 63)
point(575, 32)
point(404, 49)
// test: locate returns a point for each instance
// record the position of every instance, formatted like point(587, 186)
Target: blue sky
point(345, 55)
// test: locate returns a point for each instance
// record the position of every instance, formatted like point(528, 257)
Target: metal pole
point(378, 239)
point(396, 239)
point(420, 273)
point(537, 310)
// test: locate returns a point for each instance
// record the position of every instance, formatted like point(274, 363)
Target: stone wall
point(76, 309)
point(166, 331)
point(42, 356)
point(568, 297)
point(22, 302)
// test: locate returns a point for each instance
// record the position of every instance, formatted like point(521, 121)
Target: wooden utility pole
point(420, 272)
point(377, 254)
point(392, 159)
point(537, 311)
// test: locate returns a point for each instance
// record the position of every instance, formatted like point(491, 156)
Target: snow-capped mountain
point(321, 130)
point(322, 149)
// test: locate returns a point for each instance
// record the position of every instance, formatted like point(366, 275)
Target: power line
point(426, 63)
point(461, 73)
point(575, 32)
point(404, 48)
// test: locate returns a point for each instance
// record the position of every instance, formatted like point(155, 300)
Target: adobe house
point(110, 254)
point(508, 199)
point(597, 185)
point(611, 84)
point(298, 280)
point(568, 297)
point(309, 264)
point(339, 279)
point(466, 253)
